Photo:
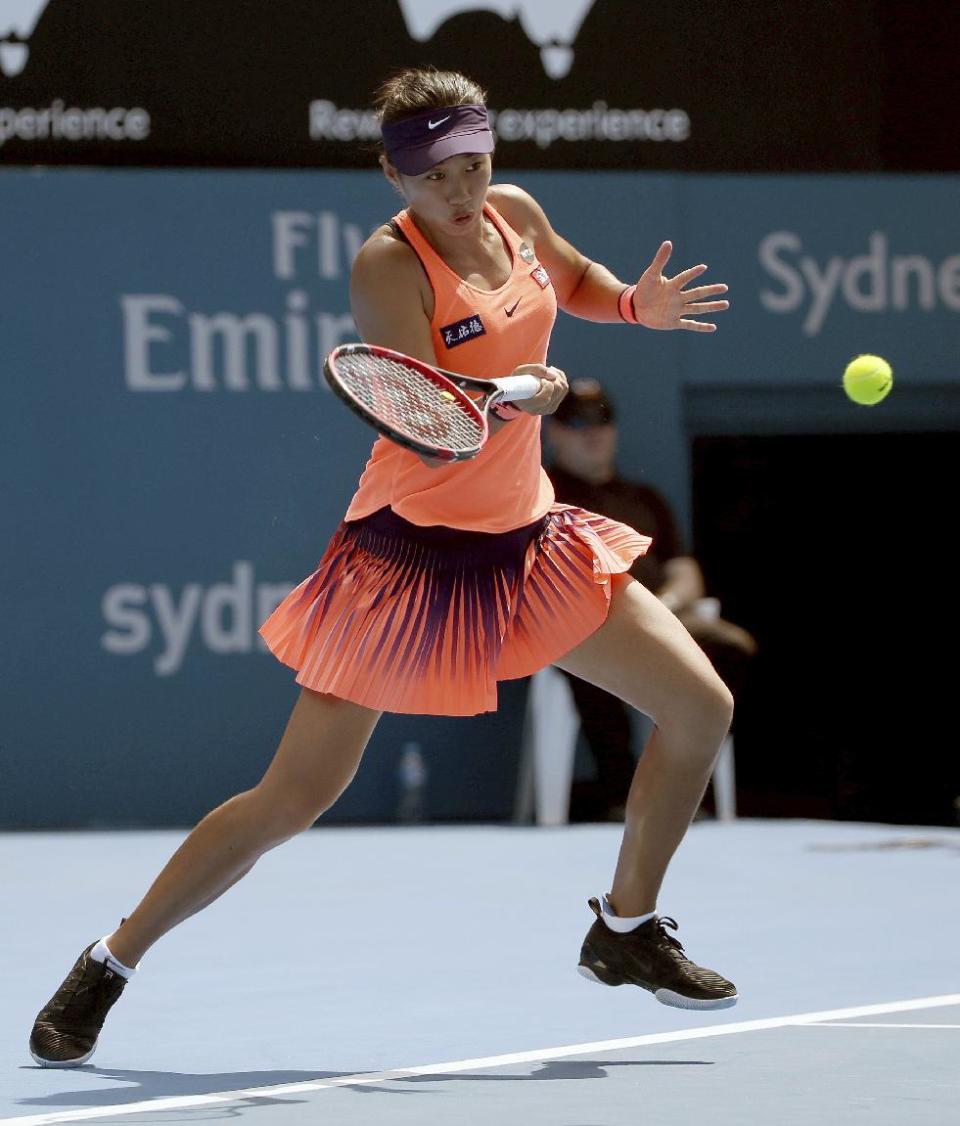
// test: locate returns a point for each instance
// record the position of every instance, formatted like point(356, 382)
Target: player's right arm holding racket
point(392, 304)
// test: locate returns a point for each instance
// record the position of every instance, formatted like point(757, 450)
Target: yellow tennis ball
point(867, 380)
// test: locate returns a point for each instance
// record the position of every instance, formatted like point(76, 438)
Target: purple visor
point(415, 144)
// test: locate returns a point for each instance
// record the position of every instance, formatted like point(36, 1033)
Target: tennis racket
point(424, 408)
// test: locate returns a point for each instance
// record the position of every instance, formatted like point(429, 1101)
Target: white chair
point(551, 729)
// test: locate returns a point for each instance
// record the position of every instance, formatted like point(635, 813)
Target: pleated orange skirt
point(426, 620)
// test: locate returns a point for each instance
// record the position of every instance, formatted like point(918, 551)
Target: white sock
point(619, 924)
point(101, 953)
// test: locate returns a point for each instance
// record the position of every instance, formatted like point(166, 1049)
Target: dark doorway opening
point(836, 551)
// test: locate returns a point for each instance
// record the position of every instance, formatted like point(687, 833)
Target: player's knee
point(716, 716)
point(716, 705)
point(703, 714)
point(723, 701)
point(288, 814)
point(290, 818)
point(328, 798)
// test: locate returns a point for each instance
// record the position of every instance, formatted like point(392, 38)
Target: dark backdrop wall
point(754, 86)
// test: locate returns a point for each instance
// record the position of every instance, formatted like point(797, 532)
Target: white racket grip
point(517, 387)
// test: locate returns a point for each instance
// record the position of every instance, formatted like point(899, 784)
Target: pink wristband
point(505, 411)
point(625, 306)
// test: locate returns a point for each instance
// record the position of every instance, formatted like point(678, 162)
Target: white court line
point(850, 1024)
point(182, 1102)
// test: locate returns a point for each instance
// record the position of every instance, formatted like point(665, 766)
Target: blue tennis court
point(427, 975)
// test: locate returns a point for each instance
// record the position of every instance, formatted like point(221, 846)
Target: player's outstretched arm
point(589, 290)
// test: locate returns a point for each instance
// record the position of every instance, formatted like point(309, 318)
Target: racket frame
point(451, 382)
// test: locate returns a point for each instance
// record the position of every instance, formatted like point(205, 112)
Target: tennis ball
point(867, 380)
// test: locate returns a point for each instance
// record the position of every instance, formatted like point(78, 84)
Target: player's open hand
point(553, 387)
point(662, 302)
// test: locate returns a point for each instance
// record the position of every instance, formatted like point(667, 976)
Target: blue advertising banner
point(172, 462)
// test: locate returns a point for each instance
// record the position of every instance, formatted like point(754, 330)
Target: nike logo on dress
point(510, 312)
point(434, 124)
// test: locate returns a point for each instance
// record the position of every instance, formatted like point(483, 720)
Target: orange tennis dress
point(440, 582)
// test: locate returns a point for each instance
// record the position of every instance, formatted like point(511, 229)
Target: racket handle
point(517, 387)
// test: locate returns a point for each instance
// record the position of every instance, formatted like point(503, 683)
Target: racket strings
point(408, 401)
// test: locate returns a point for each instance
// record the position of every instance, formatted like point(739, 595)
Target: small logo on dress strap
point(526, 253)
point(510, 312)
point(541, 277)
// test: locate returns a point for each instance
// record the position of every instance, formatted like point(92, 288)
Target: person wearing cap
point(444, 579)
point(583, 439)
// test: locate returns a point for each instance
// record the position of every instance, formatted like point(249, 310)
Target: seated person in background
point(583, 439)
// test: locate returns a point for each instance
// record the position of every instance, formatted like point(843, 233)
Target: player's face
point(451, 195)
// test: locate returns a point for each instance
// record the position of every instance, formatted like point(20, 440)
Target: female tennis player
point(444, 579)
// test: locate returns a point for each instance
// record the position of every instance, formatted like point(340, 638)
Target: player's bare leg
point(644, 655)
point(314, 763)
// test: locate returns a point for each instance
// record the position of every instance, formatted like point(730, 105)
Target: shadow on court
point(562, 1069)
point(143, 1085)
point(165, 1084)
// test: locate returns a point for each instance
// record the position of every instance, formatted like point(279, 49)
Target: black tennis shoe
point(654, 960)
point(66, 1029)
